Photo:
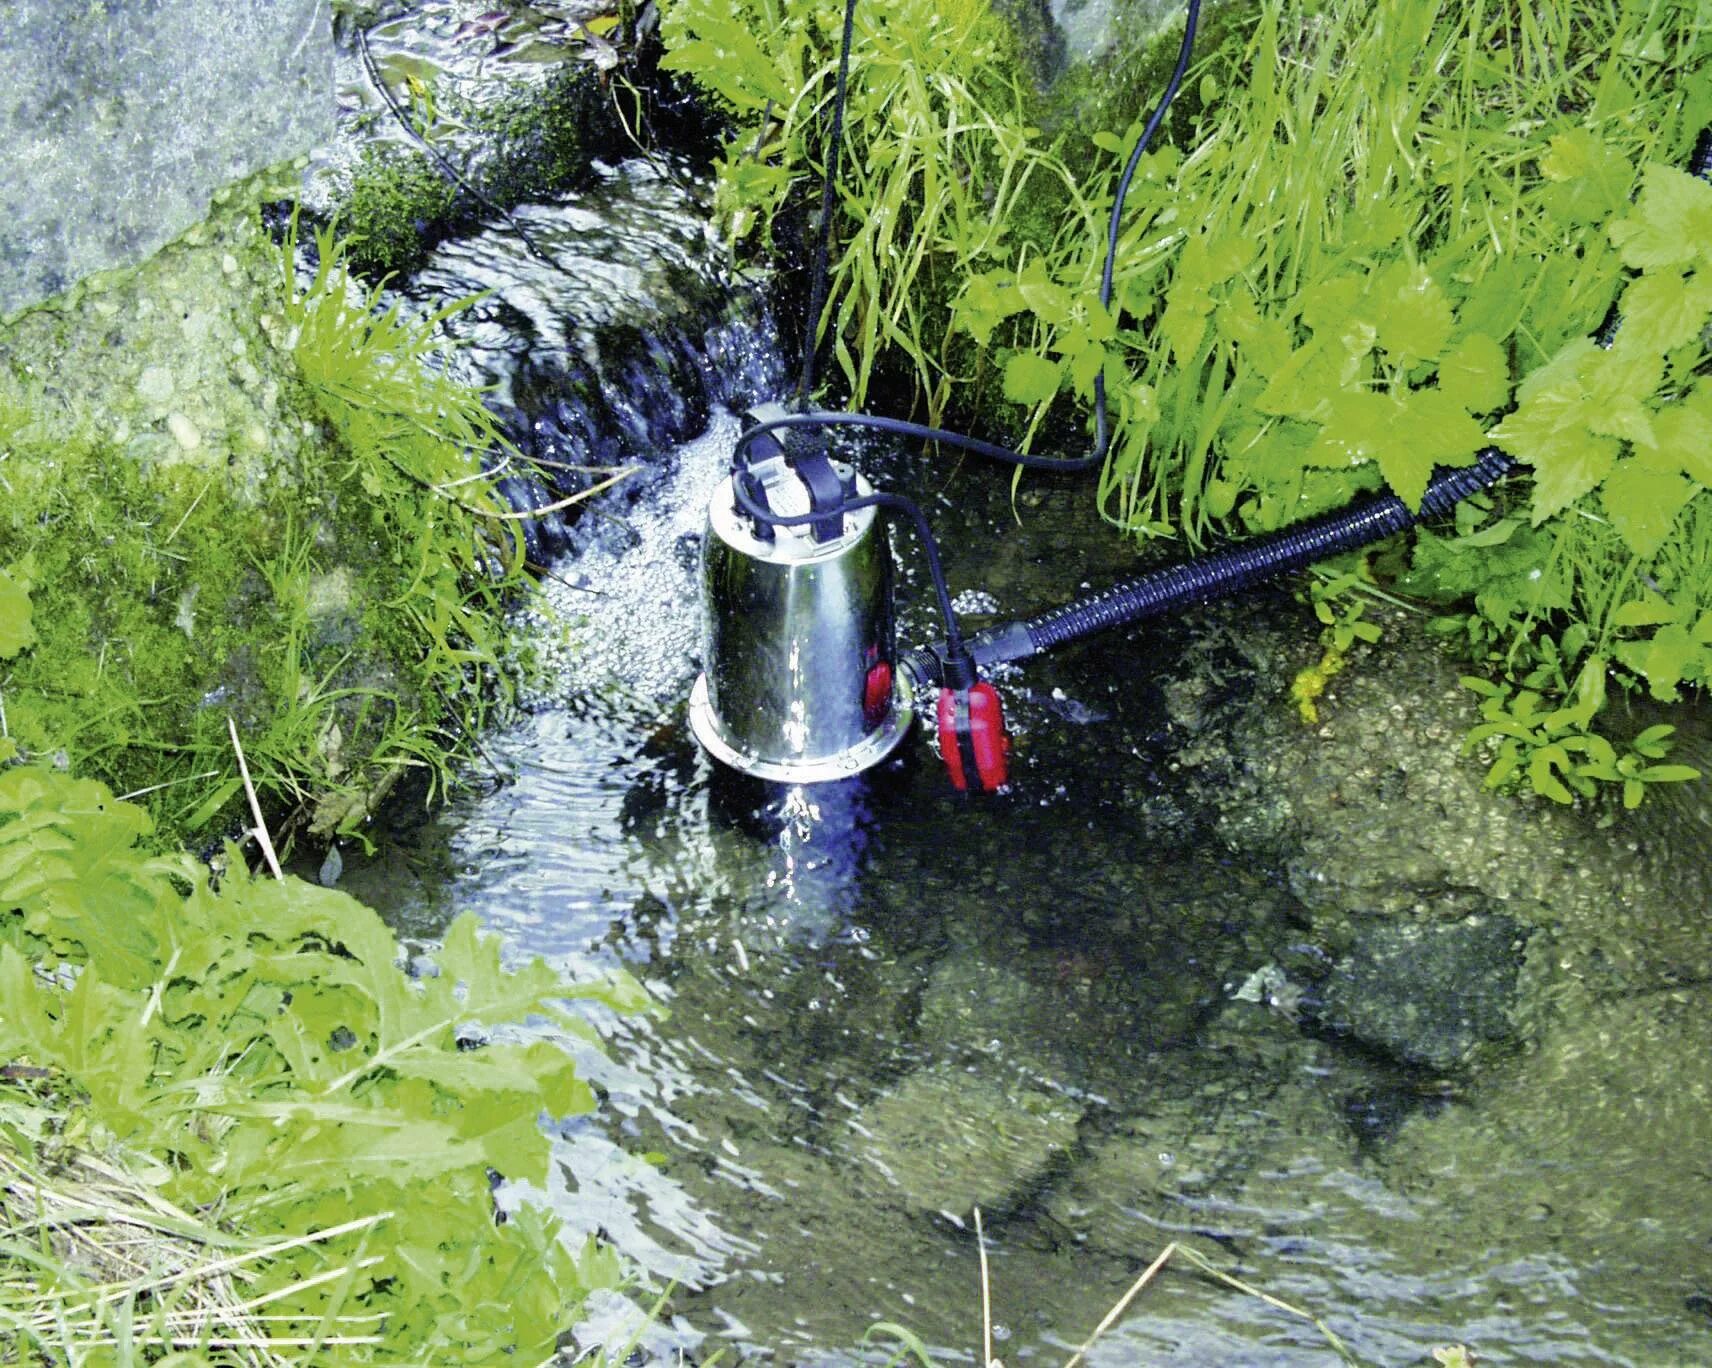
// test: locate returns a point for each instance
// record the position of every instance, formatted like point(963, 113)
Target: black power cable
point(834, 145)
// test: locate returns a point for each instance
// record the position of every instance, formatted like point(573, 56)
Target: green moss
point(1124, 86)
point(543, 142)
point(533, 145)
point(398, 201)
point(330, 599)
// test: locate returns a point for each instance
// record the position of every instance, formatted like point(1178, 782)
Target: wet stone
point(155, 385)
point(184, 432)
point(1232, 1147)
point(1428, 993)
point(947, 1140)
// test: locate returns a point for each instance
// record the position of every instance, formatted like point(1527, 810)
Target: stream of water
point(885, 1005)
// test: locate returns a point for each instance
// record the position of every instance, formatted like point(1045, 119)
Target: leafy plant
point(1340, 605)
point(261, 1045)
point(1554, 750)
point(941, 178)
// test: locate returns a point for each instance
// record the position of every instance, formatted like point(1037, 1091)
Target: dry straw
point(92, 1257)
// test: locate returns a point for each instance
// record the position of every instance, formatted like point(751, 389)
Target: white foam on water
point(629, 600)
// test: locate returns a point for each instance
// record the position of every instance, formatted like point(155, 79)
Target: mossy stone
point(398, 197)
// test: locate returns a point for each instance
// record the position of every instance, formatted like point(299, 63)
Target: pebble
point(155, 386)
point(183, 431)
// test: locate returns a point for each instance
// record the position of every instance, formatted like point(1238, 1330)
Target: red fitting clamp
point(972, 738)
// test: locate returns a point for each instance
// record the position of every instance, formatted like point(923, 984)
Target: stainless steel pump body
point(798, 642)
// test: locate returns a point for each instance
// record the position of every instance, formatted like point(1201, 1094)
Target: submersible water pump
point(797, 631)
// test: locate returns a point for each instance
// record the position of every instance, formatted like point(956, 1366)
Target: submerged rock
point(1229, 1146)
point(1428, 993)
point(1588, 1152)
point(948, 1140)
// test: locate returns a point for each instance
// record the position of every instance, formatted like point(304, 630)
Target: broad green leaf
point(1549, 430)
point(1265, 342)
point(1438, 428)
point(1411, 313)
point(1564, 472)
point(1476, 374)
point(1030, 379)
point(1306, 383)
point(1667, 309)
point(1670, 656)
point(1184, 323)
point(1590, 178)
point(1356, 427)
point(1327, 305)
point(1642, 504)
point(1407, 435)
point(1650, 741)
point(1671, 223)
point(17, 632)
point(983, 305)
point(1683, 434)
point(1616, 385)
point(1543, 769)
point(1048, 302)
point(1209, 259)
point(1669, 774)
point(1648, 611)
point(1086, 364)
point(1562, 372)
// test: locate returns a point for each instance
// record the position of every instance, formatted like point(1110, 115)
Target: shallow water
point(889, 1004)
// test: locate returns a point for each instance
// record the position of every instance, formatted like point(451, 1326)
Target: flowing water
point(884, 1005)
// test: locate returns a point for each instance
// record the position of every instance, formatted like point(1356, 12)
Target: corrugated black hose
point(1217, 574)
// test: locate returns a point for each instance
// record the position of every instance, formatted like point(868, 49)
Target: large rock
point(1428, 993)
point(122, 119)
point(178, 363)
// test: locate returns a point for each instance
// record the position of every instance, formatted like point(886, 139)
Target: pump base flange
point(852, 760)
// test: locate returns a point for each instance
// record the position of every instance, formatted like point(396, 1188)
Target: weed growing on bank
point(344, 607)
point(317, 1129)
